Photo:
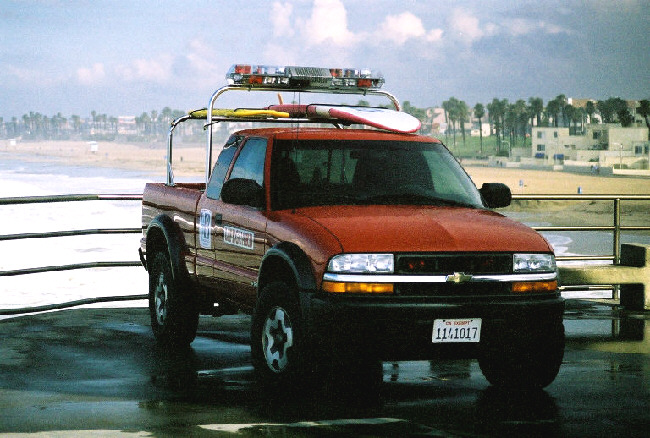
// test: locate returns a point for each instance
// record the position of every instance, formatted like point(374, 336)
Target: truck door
point(239, 231)
point(208, 216)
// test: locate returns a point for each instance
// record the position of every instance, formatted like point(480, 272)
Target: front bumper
point(400, 328)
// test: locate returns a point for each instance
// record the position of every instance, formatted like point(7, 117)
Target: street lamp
point(620, 155)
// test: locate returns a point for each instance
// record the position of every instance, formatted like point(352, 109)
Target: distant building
point(439, 125)
point(604, 145)
point(126, 125)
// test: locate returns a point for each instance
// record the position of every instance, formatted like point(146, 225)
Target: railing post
point(617, 242)
point(617, 231)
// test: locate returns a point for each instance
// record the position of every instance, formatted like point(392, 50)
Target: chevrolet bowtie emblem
point(458, 277)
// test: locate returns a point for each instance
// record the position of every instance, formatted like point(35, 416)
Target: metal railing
point(616, 228)
point(67, 233)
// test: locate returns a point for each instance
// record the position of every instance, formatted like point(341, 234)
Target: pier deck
point(97, 372)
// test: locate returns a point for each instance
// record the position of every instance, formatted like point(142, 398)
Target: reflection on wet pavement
point(99, 370)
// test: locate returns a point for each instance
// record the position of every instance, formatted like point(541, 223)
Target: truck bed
point(178, 202)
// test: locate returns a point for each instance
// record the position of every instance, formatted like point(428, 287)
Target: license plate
point(456, 330)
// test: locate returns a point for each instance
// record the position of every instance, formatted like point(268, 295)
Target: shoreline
point(150, 158)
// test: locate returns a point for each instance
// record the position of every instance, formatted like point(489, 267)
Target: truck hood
point(424, 229)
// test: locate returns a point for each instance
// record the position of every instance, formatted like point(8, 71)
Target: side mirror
point(241, 191)
point(496, 195)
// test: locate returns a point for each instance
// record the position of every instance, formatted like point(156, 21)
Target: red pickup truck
point(347, 245)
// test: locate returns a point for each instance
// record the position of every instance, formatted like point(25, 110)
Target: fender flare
point(174, 243)
point(295, 260)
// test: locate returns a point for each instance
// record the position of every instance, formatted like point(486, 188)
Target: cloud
point(328, 23)
point(281, 19)
point(522, 26)
point(149, 70)
point(467, 28)
point(405, 26)
point(91, 75)
point(434, 35)
point(200, 57)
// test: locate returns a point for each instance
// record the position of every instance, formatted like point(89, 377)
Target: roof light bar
point(293, 77)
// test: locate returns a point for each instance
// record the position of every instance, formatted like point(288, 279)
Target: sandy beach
point(189, 161)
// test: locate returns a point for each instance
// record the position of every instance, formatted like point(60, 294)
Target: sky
point(128, 57)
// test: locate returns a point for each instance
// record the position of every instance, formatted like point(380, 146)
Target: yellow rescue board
point(243, 113)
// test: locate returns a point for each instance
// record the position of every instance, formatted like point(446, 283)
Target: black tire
point(174, 315)
point(524, 362)
point(277, 339)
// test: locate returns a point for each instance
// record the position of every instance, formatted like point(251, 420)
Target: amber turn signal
point(534, 286)
point(358, 288)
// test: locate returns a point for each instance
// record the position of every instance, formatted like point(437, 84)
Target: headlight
point(362, 263)
point(533, 263)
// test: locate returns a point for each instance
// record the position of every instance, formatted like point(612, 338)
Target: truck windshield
point(351, 172)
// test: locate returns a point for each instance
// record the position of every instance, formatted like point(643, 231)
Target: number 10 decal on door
point(205, 229)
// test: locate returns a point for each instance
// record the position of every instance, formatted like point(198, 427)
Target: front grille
point(453, 289)
point(446, 264)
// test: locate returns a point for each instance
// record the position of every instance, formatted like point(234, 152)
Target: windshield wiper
point(412, 198)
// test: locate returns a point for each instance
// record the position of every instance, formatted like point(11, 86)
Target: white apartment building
point(604, 145)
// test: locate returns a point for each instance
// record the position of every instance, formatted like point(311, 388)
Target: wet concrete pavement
point(97, 372)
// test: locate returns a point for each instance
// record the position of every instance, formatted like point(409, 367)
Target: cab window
point(250, 162)
point(220, 170)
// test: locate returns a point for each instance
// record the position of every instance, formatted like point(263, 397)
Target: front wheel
point(524, 361)
point(277, 338)
point(174, 316)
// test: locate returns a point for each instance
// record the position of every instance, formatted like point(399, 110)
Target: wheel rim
point(277, 339)
point(160, 299)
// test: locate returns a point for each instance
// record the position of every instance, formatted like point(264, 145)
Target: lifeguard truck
point(350, 240)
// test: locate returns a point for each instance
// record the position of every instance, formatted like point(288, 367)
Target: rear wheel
point(174, 315)
point(524, 361)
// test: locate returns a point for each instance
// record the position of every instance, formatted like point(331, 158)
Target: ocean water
point(22, 178)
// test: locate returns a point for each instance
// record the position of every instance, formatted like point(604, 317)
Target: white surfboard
point(380, 118)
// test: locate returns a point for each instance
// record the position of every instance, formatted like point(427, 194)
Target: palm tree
point(479, 112)
point(93, 113)
point(590, 109)
point(463, 115)
point(555, 107)
point(154, 122)
point(452, 113)
point(144, 122)
point(521, 119)
point(76, 123)
point(573, 114)
point(497, 113)
point(536, 109)
point(493, 118)
point(510, 123)
point(562, 103)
